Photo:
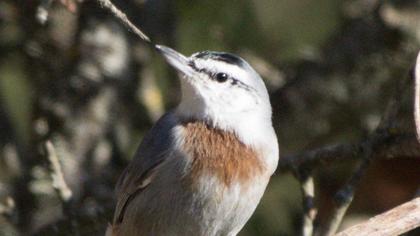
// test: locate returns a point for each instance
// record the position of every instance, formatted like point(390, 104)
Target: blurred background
point(78, 78)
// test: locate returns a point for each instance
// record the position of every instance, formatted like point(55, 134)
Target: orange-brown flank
point(219, 153)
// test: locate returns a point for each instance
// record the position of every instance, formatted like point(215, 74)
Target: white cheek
point(236, 100)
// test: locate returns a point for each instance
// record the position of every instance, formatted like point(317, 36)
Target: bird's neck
point(251, 132)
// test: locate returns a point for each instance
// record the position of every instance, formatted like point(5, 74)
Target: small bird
point(203, 167)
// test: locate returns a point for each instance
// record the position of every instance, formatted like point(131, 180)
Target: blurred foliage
point(91, 87)
point(16, 95)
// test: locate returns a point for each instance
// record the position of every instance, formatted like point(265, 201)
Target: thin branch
point(318, 156)
point(387, 144)
point(124, 19)
point(382, 143)
point(308, 196)
point(58, 182)
point(366, 151)
point(57, 176)
point(337, 217)
point(390, 145)
point(417, 96)
point(344, 196)
point(397, 221)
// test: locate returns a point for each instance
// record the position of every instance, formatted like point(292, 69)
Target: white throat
point(253, 127)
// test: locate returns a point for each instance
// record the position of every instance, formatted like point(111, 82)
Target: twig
point(344, 196)
point(60, 186)
point(57, 176)
point(318, 156)
point(308, 195)
point(417, 96)
point(397, 221)
point(124, 19)
point(366, 151)
point(377, 144)
point(393, 144)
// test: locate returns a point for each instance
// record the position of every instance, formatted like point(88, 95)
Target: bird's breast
point(218, 153)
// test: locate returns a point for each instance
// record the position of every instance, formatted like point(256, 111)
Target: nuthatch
point(203, 168)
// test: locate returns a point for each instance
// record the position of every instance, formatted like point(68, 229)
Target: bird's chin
point(189, 85)
point(187, 78)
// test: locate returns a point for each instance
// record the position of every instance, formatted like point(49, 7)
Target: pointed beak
point(176, 60)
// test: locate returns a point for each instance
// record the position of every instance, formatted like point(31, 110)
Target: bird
point(204, 166)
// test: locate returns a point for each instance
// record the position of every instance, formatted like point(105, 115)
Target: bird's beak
point(176, 60)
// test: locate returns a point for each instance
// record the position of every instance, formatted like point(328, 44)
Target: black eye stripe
point(234, 82)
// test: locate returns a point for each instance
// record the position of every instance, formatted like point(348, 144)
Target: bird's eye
point(221, 77)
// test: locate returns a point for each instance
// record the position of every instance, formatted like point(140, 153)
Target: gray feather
point(152, 152)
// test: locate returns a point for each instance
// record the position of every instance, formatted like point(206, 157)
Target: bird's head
point(221, 89)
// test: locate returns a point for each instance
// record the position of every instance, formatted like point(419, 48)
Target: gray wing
point(153, 151)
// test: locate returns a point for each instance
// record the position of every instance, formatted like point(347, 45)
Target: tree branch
point(374, 146)
point(344, 196)
point(124, 19)
point(57, 176)
point(417, 96)
point(308, 196)
point(316, 157)
point(58, 182)
point(388, 142)
point(397, 221)
point(393, 145)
